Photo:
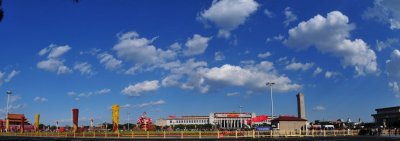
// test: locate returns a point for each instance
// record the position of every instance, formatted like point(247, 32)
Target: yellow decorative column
point(7, 125)
point(37, 118)
point(115, 117)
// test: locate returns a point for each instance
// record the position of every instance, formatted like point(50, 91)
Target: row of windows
point(191, 121)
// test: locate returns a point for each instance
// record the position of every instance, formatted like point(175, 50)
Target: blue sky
point(196, 57)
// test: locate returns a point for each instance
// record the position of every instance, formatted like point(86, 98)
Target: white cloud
point(40, 99)
point(330, 35)
point(319, 108)
point(103, 91)
point(142, 105)
point(126, 106)
point(7, 78)
point(227, 15)
point(196, 75)
point(380, 45)
point(151, 103)
point(330, 74)
point(1, 78)
point(275, 38)
point(264, 55)
point(109, 61)
point(251, 77)
point(268, 13)
point(393, 71)
point(289, 16)
point(176, 46)
point(233, 94)
point(12, 109)
point(53, 65)
point(54, 51)
point(294, 66)
point(12, 74)
point(14, 98)
point(392, 65)
point(78, 96)
point(72, 93)
point(196, 45)
point(219, 56)
point(140, 88)
point(53, 62)
point(84, 68)
point(140, 51)
point(385, 11)
point(395, 88)
point(317, 71)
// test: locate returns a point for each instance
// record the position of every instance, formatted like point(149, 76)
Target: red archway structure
point(15, 119)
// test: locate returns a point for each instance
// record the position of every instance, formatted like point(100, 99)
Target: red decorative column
point(75, 115)
point(22, 124)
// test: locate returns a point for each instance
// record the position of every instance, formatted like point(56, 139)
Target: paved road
point(357, 138)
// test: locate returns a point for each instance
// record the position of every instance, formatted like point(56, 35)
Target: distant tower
point(301, 112)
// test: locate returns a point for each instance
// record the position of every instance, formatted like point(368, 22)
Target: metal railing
point(189, 134)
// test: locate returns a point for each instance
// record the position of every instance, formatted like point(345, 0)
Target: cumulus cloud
point(12, 74)
point(251, 77)
point(109, 61)
point(385, 11)
point(219, 56)
point(264, 55)
point(140, 88)
point(289, 16)
point(176, 46)
point(84, 68)
point(87, 94)
point(196, 45)
point(151, 103)
point(140, 51)
point(227, 15)
point(40, 99)
point(331, 74)
point(196, 75)
point(393, 71)
point(274, 38)
point(142, 105)
point(330, 35)
point(1, 78)
point(12, 109)
point(268, 13)
point(233, 94)
point(186, 75)
point(380, 45)
point(4, 78)
point(319, 108)
point(103, 91)
point(317, 71)
point(294, 66)
point(54, 63)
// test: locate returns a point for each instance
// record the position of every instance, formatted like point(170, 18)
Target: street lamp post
point(8, 99)
point(272, 100)
point(240, 116)
point(128, 120)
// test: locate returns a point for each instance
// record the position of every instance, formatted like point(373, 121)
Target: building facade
point(301, 110)
point(387, 117)
point(230, 120)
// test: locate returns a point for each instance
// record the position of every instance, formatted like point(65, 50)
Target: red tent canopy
point(260, 118)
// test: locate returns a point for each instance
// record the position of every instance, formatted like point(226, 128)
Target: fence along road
point(187, 134)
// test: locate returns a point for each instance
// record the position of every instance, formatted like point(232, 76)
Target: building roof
point(387, 108)
point(288, 118)
point(16, 116)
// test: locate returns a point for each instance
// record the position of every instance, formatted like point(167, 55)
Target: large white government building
point(223, 120)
